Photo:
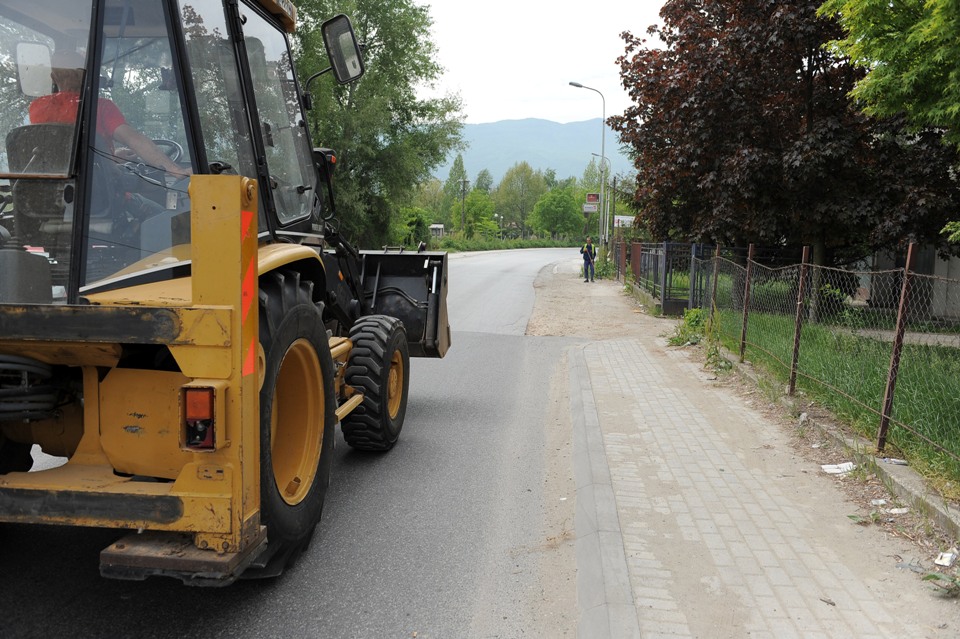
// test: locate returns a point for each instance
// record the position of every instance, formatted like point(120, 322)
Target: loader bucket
point(413, 288)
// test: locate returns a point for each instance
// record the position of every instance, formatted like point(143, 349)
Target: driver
point(61, 107)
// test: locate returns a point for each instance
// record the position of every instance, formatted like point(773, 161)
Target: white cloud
point(514, 60)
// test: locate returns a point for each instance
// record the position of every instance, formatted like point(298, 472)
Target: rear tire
point(379, 367)
point(297, 414)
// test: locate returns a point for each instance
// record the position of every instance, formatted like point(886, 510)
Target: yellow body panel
point(129, 432)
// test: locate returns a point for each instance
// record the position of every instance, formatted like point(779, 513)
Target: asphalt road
point(450, 534)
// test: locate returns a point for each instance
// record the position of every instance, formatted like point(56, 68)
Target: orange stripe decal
point(249, 291)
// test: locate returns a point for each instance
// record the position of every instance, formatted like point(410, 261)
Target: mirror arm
point(315, 76)
point(307, 98)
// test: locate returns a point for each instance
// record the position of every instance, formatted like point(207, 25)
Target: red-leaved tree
point(743, 131)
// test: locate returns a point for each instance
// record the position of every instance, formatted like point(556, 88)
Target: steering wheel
point(172, 149)
point(136, 166)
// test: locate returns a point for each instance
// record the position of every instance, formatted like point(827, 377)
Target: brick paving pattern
point(715, 545)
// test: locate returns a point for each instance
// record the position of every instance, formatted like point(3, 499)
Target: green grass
point(833, 358)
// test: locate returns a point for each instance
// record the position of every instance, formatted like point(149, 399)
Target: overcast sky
point(514, 59)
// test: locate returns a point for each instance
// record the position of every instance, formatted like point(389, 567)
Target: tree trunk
point(816, 275)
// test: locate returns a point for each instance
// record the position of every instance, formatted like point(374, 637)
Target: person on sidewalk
point(589, 253)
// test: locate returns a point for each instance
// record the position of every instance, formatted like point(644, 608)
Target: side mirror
point(33, 69)
point(342, 48)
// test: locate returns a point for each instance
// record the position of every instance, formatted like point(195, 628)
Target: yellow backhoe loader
point(182, 326)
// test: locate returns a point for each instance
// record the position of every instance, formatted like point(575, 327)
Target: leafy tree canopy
point(484, 181)
point(388, 138)
point(743, 131)
point(557, 214)
point(911, 51)
point(516, 194)
point(456, 185)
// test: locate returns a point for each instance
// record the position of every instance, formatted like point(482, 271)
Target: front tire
point(379, 367)
point(297, 414)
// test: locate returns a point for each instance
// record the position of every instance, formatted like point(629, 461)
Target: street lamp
point(603, 154)
point(605, 210)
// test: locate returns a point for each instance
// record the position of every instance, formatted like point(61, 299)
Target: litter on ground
point(838, 469)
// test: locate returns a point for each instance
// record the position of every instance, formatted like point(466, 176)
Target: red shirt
point(62, 108)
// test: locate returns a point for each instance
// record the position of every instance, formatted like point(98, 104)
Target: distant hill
point(543, 144)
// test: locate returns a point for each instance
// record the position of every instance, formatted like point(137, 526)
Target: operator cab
point(85, 204)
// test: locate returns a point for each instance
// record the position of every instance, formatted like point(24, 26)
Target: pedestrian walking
point(589, 253)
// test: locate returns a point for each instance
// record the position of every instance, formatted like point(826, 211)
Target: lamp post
point(603, 154)
point(605, 210)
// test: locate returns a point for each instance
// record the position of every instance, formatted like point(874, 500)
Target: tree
point(910, 50)
point(590, 180)
point(429, 195)
point(455, 192)
point(550, 178)
point(911, 53)
point(479, 209)
point(517, 192)
point(743, 132)
point(388, 138)
point(456, 178)
point(414, 227)
point(556, 214)
point(484, 181)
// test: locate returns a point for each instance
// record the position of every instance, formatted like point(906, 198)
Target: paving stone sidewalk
point(696, 519)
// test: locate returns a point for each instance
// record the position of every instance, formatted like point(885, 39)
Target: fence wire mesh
point(851, 343)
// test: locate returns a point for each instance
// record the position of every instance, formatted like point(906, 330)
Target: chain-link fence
point(881, 349)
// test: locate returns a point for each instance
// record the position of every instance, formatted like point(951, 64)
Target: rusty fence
point(879, 348)
point(666, 270)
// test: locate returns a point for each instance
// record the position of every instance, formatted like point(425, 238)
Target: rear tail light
point(199, 418)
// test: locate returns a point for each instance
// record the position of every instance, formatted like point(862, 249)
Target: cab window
point(282, 124)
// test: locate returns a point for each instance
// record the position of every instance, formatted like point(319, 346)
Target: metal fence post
point(692, 288)
point(801, 290)
point(713, 293)
point(895, 353)
point(623, 260)
point(635, 265)
point(662, 275)
point(746, 304)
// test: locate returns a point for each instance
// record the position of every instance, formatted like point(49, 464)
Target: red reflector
point(199, 403)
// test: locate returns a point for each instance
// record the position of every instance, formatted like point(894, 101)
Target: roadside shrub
point(690, 329)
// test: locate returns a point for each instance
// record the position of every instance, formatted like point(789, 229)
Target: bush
point(691, 329)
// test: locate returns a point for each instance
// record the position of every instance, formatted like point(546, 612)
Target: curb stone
point(605, 596)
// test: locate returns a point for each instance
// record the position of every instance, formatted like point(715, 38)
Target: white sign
point(623, 221)
point(589, 208)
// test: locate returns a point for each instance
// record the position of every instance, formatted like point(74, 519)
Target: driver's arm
point(146, 150)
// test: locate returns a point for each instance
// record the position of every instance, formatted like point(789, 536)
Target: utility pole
point(463, 206)
point(613, 199)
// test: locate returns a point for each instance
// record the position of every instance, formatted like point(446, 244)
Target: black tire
point(297, 414)
point(14, 456)
point(379, 367)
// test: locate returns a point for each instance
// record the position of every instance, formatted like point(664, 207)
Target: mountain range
point(565, 148)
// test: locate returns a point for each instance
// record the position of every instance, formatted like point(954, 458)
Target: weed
point(948, 584)
point(690, 329)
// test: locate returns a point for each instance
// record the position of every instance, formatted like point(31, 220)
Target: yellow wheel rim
point(395, 385)
point(296, 422)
